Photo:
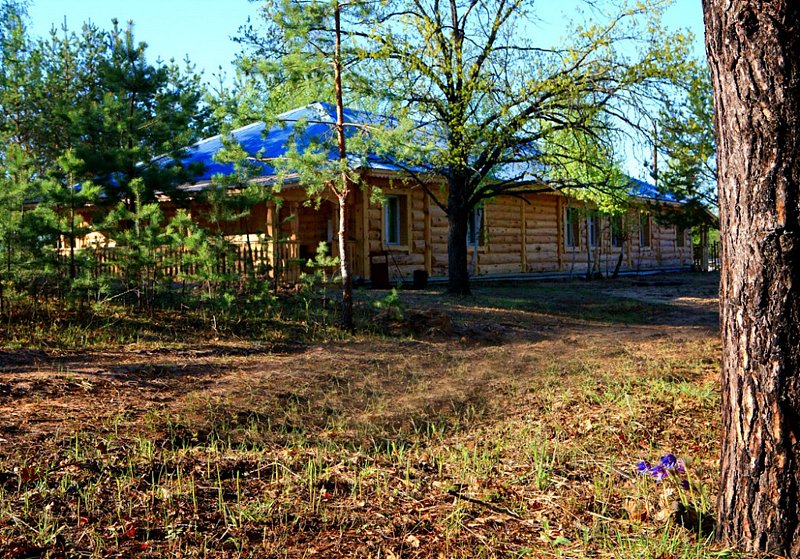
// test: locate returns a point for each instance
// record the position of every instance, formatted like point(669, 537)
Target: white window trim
point(404, 227)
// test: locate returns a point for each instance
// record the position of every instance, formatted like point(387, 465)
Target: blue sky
point(202, 29)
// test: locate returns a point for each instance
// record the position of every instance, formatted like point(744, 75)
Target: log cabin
point(396, 229)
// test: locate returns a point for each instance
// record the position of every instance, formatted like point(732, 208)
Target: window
point(593, 226)
point(617, 231)
point(644, 230)
point(680, 236)
point(475, 228)
point(395, 220)
point(572, 227)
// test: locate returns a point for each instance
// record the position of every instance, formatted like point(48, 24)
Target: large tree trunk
point(754, 52)
point(457, 217)
point(457, 257)
point(457, 261)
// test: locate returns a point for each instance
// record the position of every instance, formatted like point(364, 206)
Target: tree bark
point(457, 261)
point(754, 52)
point(457, 257)
point(343, 193)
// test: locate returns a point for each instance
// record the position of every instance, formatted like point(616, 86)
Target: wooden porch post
point(365, 232)
point(271, 229)
point(560, 232)
point(704, 249)
point(523, 236)
point(294, 224)
point(426, 205)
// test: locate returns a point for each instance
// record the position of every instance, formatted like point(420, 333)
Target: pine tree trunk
point(754, 53)
point(344, 266)
point(343, 193)
point(72, 270)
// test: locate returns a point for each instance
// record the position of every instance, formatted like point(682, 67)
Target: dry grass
point(506, 425)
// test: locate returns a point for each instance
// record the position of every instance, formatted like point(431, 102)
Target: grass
point(513, 433)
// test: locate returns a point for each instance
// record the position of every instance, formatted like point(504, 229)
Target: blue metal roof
point(642, 189)
point(319, 119)
point(263, 147)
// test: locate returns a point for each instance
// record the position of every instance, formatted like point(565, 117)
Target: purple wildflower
point(669, 464)
point(659, 472)
point(669, 461)
point(685, 484)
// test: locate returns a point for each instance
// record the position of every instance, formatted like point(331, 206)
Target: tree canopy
point(479, 101)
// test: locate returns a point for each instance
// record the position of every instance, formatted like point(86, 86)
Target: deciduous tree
point(488, 95)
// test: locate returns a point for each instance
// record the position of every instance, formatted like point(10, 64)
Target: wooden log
point(560, 232)
point(427, 228)
point(499, 268)
point(509, 246)
point(504, 258)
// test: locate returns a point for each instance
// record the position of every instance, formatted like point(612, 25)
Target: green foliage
point(16, 177)
point(586, 161)
point(321, 270)
point(315, 285)
point(478, 101)
point(85, 117)
point(139, 112)
point(392, 304)
point(686, 137)
point(494, 97)
point(286, 55)
point(21, 80)
point(138, 234)
point(292, 55)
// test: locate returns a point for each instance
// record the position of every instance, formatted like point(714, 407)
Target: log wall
point(521, 235)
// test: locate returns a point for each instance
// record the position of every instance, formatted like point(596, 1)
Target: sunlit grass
point(374, 447)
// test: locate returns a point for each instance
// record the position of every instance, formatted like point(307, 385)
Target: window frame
point(398, 203)
point(645, 230)
point(476, 237)
point(572, 228)
point(680, 237)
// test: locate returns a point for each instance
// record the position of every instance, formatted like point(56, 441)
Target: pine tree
point(754, 54)
point(302, 51)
